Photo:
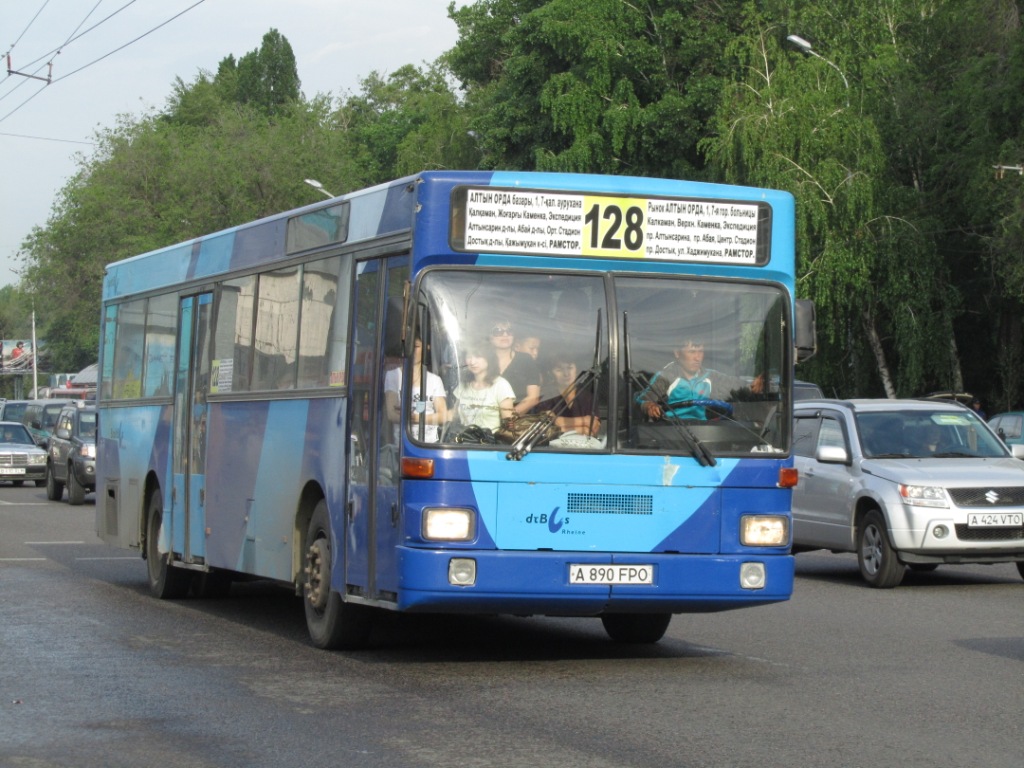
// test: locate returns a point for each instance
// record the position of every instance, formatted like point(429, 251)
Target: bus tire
point(332, 622)
point(54, 488)
point(165, 581)
point(635, 628)
point(76, 493)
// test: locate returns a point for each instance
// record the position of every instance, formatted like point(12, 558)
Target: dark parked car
point(20, 458)
point(13, 410)
point(71, 454)
point(905, 483)
point(39, 418)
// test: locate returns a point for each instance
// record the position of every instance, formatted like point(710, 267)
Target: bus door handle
point(394, 514)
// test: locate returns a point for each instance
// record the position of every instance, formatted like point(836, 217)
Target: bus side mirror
point(806, 330)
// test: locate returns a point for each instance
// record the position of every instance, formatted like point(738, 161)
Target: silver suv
point(905, 483)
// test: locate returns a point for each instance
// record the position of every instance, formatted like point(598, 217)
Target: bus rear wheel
point(332, 622)
point(636, 628)
point(165, 581)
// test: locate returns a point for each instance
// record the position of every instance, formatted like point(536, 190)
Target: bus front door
point(373, 523)
point(191, 387)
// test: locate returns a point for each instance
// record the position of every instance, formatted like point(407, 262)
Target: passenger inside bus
point(574, 406)
point(484, 398)
point(519, 369)
point(429, 406)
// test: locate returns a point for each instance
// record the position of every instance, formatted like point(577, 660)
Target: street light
point(805, 47)
point(318, 186)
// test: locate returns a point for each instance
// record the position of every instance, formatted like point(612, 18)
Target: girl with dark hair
point(485, 398)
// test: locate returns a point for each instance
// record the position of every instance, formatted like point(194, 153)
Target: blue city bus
point(253, 420)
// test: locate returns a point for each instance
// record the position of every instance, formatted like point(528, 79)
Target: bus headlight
point(449, 524)
point(764, 530)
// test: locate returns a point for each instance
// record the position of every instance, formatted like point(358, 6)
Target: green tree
point(410, 121)
point(596, 86)
point(865, 252)
point(267, 78)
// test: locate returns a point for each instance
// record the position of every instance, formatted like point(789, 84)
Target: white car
point(905, 483)
point(20, 458)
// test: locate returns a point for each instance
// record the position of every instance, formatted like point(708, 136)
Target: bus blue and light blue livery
point(435, 395)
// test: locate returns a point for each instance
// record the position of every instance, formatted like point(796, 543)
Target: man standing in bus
point(674, 389)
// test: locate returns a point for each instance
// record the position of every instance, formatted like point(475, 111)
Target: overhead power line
point(104, 56)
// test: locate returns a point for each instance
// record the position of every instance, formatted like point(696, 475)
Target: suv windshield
point(926, 434)
point(87, 425)
point(696, 364)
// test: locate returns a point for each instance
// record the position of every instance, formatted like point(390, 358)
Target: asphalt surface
point(95, 672)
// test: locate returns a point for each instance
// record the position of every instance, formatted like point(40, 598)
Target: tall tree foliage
point(599, 86)
point(822, 127)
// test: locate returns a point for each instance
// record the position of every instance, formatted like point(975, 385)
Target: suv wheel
point(54, 488)
point(877, 559)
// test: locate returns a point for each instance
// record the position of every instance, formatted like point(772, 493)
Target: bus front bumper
point(537, 582)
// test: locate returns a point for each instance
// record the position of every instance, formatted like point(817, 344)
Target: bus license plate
point(995, 519)
point(610, 574)
point(12, 470)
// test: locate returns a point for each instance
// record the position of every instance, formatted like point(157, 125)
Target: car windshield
point(550, 336)
point(926, 434)
point(50, 414)
point(16, 434)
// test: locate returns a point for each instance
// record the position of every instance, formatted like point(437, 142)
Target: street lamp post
point(318, 186)
point(806, 48)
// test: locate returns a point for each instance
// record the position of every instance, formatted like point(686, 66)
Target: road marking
point(51, 543)
point(21, 559)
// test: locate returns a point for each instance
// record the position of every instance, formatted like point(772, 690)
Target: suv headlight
point(88, 450)
point(924, 495)
point(37, 458)
point(764, 530)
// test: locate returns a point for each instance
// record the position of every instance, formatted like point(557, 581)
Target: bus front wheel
point(636, 627)
point(165, 581)
point(332, 623)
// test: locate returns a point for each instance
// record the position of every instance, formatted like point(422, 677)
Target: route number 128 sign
point(558, 223)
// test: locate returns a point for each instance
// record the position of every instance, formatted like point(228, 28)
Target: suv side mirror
point(832, 454)
point(63, 434)
point(1017, 450)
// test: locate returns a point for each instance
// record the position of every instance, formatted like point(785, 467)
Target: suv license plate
point(995, 519)
point(12, 470)
point(585, 573)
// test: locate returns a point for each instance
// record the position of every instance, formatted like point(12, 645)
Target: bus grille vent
point(609, 504)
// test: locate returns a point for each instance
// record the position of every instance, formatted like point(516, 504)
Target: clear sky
point(43, 126)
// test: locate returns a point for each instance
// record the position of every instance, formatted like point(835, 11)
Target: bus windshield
point(616, 362)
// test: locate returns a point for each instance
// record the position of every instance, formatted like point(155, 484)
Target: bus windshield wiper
point(529, 439)
point(700, 452)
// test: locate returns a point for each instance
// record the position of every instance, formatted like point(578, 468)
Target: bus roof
point(385, 209)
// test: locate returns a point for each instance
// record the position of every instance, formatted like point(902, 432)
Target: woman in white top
point(431, 407)
point(485, 398)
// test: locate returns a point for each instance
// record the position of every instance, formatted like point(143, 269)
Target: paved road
point(94, 672)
